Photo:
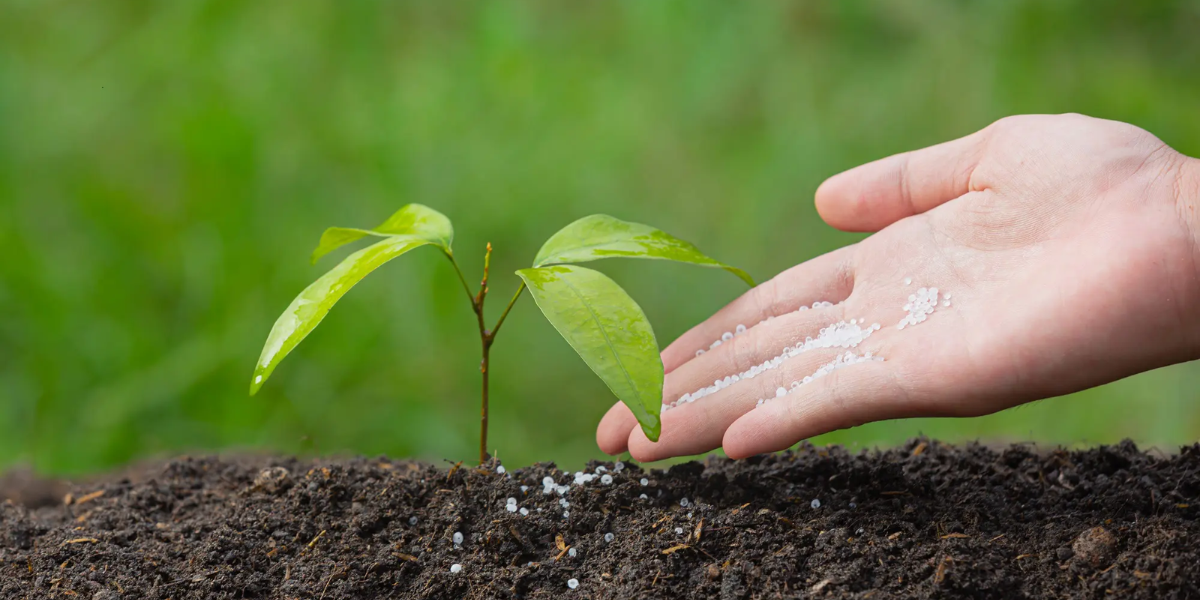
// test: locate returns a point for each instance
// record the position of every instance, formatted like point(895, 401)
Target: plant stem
point(486, 337)
point(485, 340)
point(461, 278)
point(504, 315)
point(483, 415)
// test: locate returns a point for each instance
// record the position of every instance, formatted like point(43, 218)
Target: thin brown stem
point(486, 337)
point(461, 278)
point(508, 308)
point(483, 415)
point(485, 340)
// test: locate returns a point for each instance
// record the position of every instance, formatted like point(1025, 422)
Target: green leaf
point(311, 306)
point(608, 330)
point(413, 220)
point(602, 236)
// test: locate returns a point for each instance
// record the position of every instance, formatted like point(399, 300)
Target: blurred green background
point(166, 168)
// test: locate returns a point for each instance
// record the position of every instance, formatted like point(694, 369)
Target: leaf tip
point(320, 251)
point(651, 423)
point(257, 383)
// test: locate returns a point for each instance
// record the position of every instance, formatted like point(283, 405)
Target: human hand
point(1064, 253)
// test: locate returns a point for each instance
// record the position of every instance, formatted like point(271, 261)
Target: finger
point(826, 278)
point(768, 358)
point(877, 194)
point(845, 398)
point(756, 345)
point(612, 435)
point(697, 427)
point(741, 353)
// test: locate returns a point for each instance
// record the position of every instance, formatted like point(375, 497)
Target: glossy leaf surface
point(608, 330)
point(414, 220)
point(311, 306)
point(602, 236)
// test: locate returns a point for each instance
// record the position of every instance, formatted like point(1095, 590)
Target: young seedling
point(596, 317)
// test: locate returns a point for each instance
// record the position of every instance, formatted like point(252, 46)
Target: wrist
point(1187, 198)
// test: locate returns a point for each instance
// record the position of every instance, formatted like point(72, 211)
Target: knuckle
point(1005, 123)
point(767, 298)
point(743, 348)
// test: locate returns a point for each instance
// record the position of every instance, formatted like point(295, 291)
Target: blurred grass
point(166, 167)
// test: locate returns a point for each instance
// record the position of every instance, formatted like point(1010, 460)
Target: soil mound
point(923, 521)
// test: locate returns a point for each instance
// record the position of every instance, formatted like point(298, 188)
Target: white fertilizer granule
point(843, 334)
point(841, 362)
point(920, 306)
point(740, 329)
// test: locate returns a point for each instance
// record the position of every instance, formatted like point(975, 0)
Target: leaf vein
point(608, 342)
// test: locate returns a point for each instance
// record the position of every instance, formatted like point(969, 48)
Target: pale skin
point(1070, 246)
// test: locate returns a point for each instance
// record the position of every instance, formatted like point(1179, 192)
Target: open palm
point(1063, 252)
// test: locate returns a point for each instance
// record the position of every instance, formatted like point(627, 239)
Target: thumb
point(877, 194)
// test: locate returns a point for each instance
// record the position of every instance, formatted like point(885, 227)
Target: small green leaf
point(608, 330)
point(602, 236)
point(414, 220)
point(307, 310)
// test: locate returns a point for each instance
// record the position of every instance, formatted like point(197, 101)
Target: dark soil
point(923, 521)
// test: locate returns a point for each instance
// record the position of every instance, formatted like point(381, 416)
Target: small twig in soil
point(81, 541)
point(563, 548)
point(314, 540)
point(89, 497)
point(940, 575)
point(326, 588)
point(513, 531)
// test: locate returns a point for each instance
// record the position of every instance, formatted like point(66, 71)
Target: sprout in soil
point(597, 318)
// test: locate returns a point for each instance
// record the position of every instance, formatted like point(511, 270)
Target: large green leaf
point(311, 306)
point(602, 236)
point(608, 330)
point(413, 220)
